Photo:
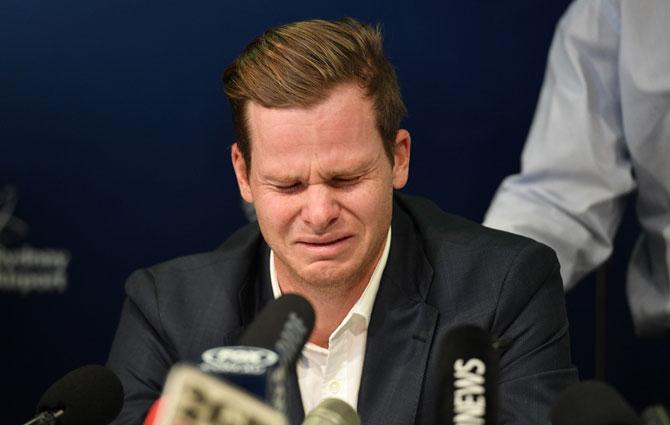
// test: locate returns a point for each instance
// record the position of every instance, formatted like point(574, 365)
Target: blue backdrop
point(115, 134)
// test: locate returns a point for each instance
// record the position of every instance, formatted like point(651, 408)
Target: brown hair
point(298, 64)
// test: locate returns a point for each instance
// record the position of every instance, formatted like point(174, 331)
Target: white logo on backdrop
point(23, 268)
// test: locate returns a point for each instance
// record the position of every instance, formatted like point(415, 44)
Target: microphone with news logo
point(247, 367)
point(267, 351)
point(258, 366)
point(90, 395)
point(469, 371)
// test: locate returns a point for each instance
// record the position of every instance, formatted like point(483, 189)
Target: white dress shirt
point(601, 130)
point(336, 371)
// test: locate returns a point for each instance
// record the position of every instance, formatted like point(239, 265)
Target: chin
point(327, 276)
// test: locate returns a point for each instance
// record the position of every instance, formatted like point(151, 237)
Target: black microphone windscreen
point(469, 372)
point(90, 395)
point(592, 403)
point(284, 326)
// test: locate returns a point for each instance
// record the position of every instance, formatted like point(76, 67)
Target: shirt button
point(334, 387)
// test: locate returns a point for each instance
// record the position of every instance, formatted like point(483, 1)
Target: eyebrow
point(360, 168)
point(355, 171)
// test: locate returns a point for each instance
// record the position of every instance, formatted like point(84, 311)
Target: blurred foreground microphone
point(332, 411)
point(592, 403)
point(90, 395)
point(656, 415)
point(268, 350)
point(469, 371)
point(191, 397)
point(150, 419)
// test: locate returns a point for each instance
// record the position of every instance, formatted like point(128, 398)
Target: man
point(601, 130)
point(319, 151)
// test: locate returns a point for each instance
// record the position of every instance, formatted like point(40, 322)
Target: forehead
point(345, 116)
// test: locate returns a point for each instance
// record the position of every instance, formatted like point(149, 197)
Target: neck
point(331, 305)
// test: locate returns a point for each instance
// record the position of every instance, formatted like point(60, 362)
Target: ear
point(241, 173)
point(401, 148)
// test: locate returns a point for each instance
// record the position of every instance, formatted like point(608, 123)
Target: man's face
point(322, 186)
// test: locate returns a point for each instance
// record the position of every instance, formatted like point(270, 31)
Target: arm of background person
point(575, 170)
point(644, 74)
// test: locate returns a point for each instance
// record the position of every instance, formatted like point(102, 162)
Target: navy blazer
point(442, 271)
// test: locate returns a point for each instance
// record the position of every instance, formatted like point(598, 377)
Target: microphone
point(150, 419)
point(267, 351)
point(656, 415)
point(193, 397)
point(332, 411)
point(469, 370)
point(283, 326)
point(592, 403)
point(90, 395)
point(246, 367)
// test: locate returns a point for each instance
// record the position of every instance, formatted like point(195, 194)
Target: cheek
point(372, 204)
point(275, 214)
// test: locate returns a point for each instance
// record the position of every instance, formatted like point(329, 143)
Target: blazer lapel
point(400, 332)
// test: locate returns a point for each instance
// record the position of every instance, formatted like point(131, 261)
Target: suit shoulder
point(223, 269)
point(439, 227)
point(193, 301)
point(241, 244)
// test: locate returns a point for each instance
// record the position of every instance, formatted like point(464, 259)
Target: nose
point(321, 208)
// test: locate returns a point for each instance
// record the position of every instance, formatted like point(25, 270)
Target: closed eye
point(288, 188)
point(345, 181)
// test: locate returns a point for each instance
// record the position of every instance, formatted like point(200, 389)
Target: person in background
point(601, 132)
